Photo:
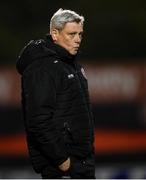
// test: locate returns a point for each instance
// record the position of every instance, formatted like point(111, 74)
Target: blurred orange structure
point(106, 141)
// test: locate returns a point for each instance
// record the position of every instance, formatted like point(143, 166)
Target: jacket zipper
point(86, 104)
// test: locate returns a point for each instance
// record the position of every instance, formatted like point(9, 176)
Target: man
point(57, 113)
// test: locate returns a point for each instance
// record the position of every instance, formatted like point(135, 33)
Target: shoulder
point(45, 65)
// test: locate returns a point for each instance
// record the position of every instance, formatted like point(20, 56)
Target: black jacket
point(55, 99)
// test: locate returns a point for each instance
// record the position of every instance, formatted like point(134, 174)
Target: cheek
point(68, 41)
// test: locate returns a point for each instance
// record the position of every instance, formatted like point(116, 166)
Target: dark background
point(113, 29)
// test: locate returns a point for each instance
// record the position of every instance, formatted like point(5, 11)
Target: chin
point(73, 53)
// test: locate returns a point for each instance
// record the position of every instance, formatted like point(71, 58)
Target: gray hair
point(61, 17)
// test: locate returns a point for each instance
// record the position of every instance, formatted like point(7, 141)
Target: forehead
point(73, 26)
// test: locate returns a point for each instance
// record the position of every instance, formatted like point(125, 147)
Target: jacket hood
point(34, 50)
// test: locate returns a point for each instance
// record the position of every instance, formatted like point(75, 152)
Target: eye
point(81, 35)
point(72, 34)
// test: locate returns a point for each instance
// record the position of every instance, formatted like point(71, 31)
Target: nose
point(78, 39)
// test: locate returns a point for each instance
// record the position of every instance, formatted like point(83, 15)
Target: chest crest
point(70, 76)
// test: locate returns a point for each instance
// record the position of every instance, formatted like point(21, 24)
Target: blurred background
point(114, 58)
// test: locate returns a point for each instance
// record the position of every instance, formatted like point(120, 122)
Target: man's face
point(70, 37)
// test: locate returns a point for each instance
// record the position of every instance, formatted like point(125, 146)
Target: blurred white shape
point(119, 83)
point(137, 173)
point(104, 173)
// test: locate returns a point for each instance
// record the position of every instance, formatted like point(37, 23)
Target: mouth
point(76, 48)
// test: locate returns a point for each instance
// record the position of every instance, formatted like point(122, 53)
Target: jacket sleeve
point(40, 102)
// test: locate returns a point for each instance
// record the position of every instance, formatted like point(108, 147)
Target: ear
point(54, 34)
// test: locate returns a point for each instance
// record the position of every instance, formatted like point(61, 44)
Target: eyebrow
point(75, 32)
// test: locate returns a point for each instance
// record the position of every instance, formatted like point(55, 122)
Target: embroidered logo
point(70, 76)
point(83, 72)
